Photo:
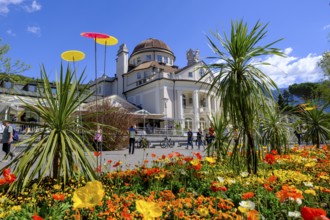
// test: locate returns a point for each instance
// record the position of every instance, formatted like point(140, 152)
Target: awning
point(147, 115)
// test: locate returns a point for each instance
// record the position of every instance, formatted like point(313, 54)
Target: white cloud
point(10, 32)
point(288, 70)
point(4, 5)
point(35, 6)
point(326, 27)
point(34, 29)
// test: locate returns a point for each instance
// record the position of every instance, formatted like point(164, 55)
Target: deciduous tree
point(7, 65)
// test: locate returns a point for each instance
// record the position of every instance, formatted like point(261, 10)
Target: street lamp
point(165, 102)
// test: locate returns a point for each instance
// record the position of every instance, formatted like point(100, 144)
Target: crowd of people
point(202, 138)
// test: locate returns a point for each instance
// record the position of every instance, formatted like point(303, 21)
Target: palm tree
point(242, 87)
point(317, 123)
point(57, 147)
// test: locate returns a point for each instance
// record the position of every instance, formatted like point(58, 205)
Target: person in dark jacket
point(7, 139)
point(199, 139)
point(131, 132)
point(190, 139)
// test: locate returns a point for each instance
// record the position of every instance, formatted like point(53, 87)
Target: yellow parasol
point(72, 55)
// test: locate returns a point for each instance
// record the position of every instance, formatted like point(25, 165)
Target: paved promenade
point(129, 161)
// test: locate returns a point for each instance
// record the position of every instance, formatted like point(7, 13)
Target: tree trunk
point(251, 157)
point(56, 164)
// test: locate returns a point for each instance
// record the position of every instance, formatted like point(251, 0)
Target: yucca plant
point(221, 141)
point(57, 149)
point(275, 128)
point(239, 84)
point(317, 123)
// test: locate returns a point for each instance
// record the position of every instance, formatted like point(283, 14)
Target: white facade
point(149, 79)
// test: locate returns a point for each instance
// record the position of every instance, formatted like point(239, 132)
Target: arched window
point(188, 123)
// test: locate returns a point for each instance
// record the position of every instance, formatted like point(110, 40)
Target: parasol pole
point(106, 42)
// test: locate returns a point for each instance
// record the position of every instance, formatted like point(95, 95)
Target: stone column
point(208, 105)
point(196, 111)
point(180, 108)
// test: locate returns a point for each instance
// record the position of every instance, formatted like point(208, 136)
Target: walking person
point(190, 139)
point(297, 132)
point(199, 139)
point(131, 132)
point(7, 138)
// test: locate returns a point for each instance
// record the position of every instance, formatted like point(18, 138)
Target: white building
point(149, 79)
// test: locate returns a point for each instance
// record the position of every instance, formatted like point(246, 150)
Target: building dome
point(151, 44)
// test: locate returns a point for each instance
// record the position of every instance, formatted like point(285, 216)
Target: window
point(138, 60)
point(188, 123)
point(165, 59)
point(99, 90)
point(148, 57)
point(159, 58)
point(184, 101)
point(201, 72)
point(138, 75)
point(190, 74)
point(145, 74)
point(32, 88)
point(190, 100)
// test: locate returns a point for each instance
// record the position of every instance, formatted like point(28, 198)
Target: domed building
point(149, 79)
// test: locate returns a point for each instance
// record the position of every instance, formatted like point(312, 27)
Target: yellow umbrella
point(110, 41)
point(73, 55)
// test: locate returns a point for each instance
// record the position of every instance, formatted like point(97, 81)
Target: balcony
point(141, 82)
point(189, 109)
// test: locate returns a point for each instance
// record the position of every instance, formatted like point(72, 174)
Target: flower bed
point(291, 186)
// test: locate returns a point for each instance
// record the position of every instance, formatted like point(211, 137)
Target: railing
point(160, 131)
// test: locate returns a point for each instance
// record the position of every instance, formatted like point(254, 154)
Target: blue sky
point(38, 31)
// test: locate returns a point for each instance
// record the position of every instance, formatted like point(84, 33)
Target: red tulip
point(313, 213)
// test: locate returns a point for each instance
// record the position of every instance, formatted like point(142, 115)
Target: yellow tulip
point(242, 209)
point(194, 162)
point(310, 191)
point(149, 210)
point(311, 164)
point(324, 177)
point(211, 160)
point(89, 195)
point(203, 212)
point(160, 176)
point(16, 208)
